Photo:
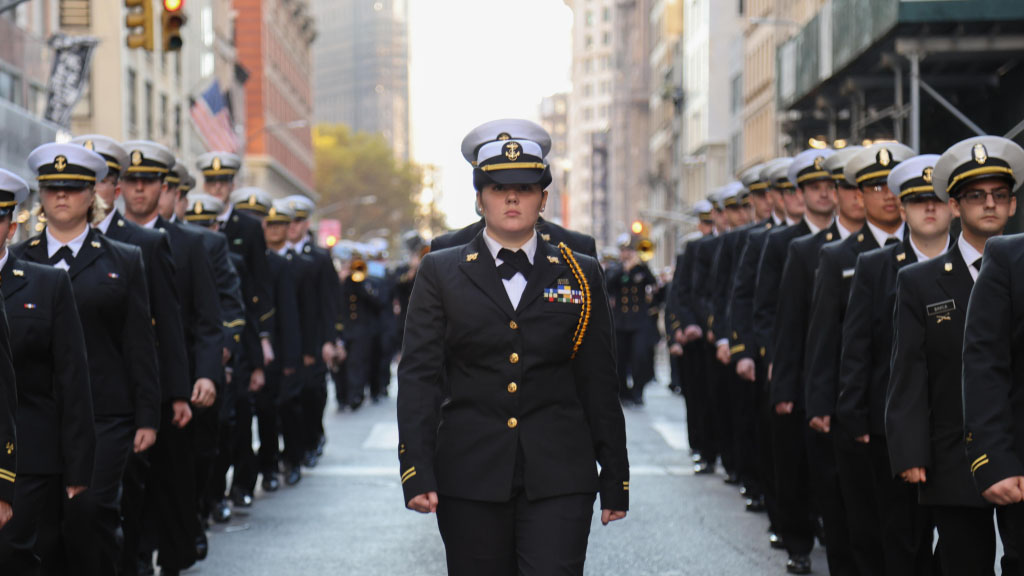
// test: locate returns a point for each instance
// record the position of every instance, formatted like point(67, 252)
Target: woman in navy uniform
point(56, 441)
point(113, 305)
point(507, 458)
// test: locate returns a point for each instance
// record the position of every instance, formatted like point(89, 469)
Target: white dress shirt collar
point(104, 225)
point(969, 254)
point(814, 229)
point(52, 245)
point(881, 235)
point(493, 246)
point(223, 218)
point(921, 256)
point(152, 223)
point(843, 232)
point(3, 260)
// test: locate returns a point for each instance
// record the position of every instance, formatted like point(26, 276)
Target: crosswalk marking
point(674, 434)
point(383, 436)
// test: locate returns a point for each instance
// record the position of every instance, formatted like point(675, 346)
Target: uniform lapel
point(547, 267)
point(36, 251)
point(13, 276)
point(91, 250)
point(477, 263)
point(955, 279)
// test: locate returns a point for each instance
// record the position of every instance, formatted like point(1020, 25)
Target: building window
point(606, 14)
point(589, 18)
point(737, 94)
point(149, 110)
point(606, 39)
point(588, 90)
point(163, 114)
point(10, 87)
point(588, 41)
point(133, 103)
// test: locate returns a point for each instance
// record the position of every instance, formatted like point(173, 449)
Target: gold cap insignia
point(252, 200)
point(512, 151)
point(884, 157)
point(819, 163)
point(136, 157)
point(504, 136)
point(60, 163)
point(199, 208)
point(89, 145)
point(980, 153)
point(927, 175)
point(272, 213)
point(216, 163)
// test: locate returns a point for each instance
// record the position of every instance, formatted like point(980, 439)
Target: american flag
point(213, 120)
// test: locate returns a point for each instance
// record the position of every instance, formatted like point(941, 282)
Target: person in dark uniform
point(930, 392)
point(686, 333)
point(417, 248)
point(906, 528)
point(868, 169)
point(359, 310)
point(112, 299)
point(509, 469)
point(550, 232)
point(804, 460)
point(630, 284)
point(56, 440)
point(249, 250)
point(319, 313)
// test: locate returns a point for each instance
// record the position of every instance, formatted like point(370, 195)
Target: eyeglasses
point(979, 197)
point(877, 188)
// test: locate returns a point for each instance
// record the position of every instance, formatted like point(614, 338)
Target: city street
point(347, 517)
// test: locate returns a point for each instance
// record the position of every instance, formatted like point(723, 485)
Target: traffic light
point(139, 24)
point(637, 227)
point(173, 19)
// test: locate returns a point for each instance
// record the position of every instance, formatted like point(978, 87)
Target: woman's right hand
point(424, 503)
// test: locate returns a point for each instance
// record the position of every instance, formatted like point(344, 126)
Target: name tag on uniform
point(848, 273)
point(940, 308)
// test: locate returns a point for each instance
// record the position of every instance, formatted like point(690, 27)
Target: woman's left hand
point(611, 516)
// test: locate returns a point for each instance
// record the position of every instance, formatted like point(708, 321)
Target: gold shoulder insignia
point(860, 237)
point(545, 237)
point(120, 223)
point(901, 257)
point(95, 244)
point(553, 259)
point(828, 237)
point(34, 243)
point(17, 272)
point(949, 267)
point(472, 257)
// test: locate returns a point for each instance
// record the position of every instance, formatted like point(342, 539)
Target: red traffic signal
point(173, 5)
point(173, 19)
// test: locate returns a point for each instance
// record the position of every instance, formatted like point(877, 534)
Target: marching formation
point(850, 362)
point(139, 345)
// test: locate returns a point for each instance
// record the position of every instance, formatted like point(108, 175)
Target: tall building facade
point(274, 39)
point(593, 73)
point(631, 95)
point(554, 117)
point(362, 64)
point(710, 30)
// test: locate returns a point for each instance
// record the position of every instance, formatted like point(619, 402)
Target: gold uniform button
point(352, 298)
point(513, 325)
point(625, 299)
point(353, 316)
point(512, 423)
point(352, 307)
point(513, 358)
point(512, 387)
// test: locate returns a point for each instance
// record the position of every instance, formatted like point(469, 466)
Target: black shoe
point(144, 567)
point(310, 460)
point(775, 541)
point(293, 475)
point(270, 482)
point(732, 479)
point(703, 467)
point(202, 546)
point(798, 564)
point(696, 456)
point(819, 530)
point(755, 504)
point(355, 404)
point(320, 446)
point(221, 511)
point(241, 498)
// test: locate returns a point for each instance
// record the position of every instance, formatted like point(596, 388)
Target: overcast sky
point(478, 60)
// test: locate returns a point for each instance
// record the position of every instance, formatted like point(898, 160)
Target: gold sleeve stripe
point(267, 316)
point(978, 464)
point(234, 323)
point(6, 475)
point(738, 348)
point(979, 459)
point(408, 474)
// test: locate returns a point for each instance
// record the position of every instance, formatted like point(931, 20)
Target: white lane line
point(383, 436)
point(673, 433)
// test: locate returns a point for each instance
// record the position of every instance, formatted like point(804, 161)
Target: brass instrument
point(358, 268)
point(645, 249)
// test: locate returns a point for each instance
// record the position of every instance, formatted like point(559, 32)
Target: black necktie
point(977, 264)
point(892, 240)
point(63, 253)
point(513, 262)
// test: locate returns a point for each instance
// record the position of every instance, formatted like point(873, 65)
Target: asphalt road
point(347, 515)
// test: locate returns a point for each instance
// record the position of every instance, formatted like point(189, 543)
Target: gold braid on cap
point(581, 279)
